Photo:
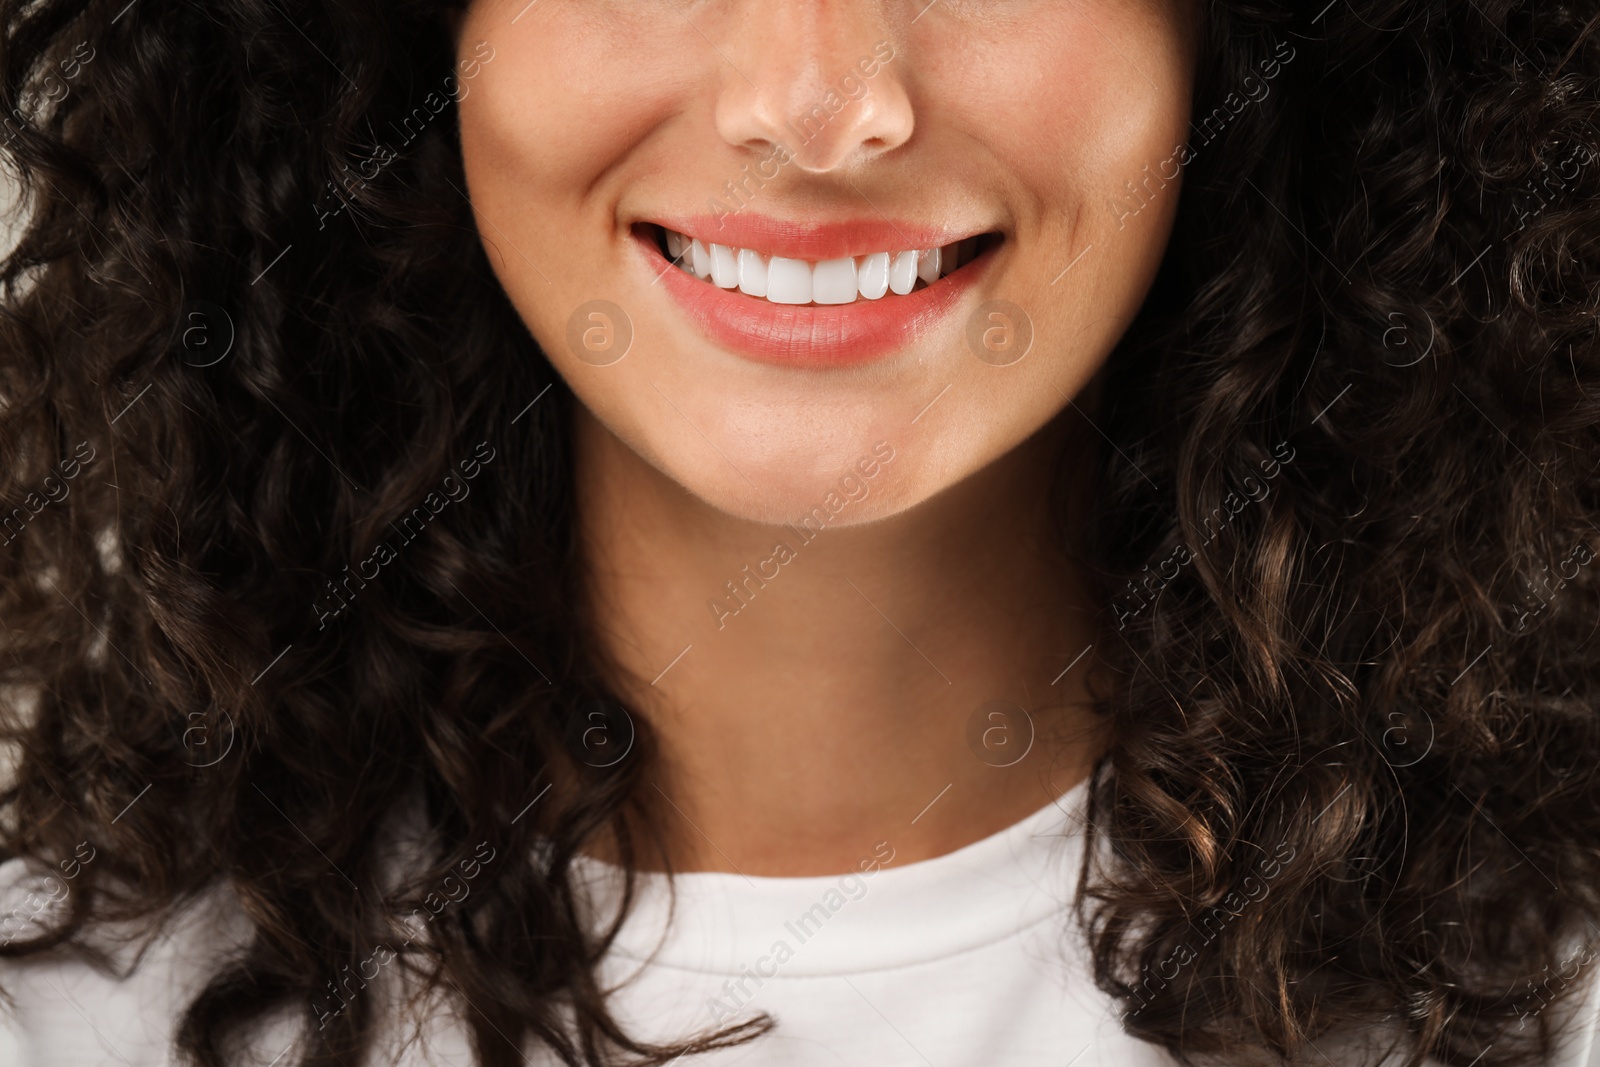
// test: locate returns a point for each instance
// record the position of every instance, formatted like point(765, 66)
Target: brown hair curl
point(1354, 433)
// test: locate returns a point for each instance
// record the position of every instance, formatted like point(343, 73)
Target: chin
point(865, 481)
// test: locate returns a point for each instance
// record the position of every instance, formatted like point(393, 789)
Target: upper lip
point(812, 240)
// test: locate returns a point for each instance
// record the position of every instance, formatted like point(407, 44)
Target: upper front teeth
point(833, 281)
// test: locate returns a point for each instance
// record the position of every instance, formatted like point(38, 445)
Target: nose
point(823, 78)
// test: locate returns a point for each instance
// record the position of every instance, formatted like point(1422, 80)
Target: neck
point(860, 685)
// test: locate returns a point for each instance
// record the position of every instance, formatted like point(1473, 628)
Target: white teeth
point(788, 281)
point(833, 281)
point(752, 273)
point(724, 267)
point(903, 273)
point(873, 279)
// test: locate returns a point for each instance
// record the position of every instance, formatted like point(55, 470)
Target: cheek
point(546, 135)
point(1077, 111)
point(1129, 85)
point(1074, 114)
point(1069, 111)
point(559, 106)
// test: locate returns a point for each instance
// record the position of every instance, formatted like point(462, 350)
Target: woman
point(598, 532)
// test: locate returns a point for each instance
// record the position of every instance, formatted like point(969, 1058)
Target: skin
point(833, 708)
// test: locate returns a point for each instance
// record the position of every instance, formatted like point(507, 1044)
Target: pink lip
point(838, 335)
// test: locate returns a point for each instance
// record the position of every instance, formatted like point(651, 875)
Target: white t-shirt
point(966, 959)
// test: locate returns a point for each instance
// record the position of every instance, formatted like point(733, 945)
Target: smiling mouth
point(800, 282)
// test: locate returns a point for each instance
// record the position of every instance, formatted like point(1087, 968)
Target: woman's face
point(803, 150)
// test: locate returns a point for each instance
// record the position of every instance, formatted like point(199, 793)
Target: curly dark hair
point(238, 352)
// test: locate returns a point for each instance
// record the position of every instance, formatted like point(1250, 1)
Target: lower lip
point(836, 335)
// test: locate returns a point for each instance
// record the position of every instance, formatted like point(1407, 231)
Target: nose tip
point(838, 129)
point(828, 108)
